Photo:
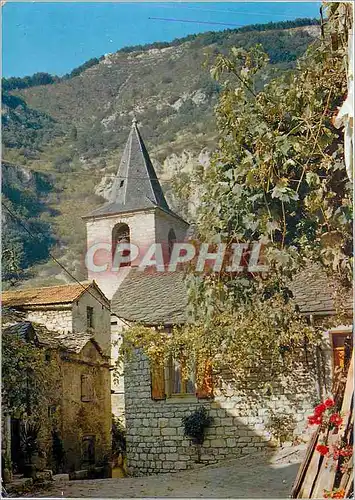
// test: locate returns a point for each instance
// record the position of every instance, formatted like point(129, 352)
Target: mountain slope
point(73, 130)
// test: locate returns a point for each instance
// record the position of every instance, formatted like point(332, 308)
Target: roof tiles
point(136, 186)
point(157, 298)
point(60, 294)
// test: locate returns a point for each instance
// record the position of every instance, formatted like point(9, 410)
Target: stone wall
point(146, 227)
point(73, 317)
point(101, 318)
point(244, 419)
point(72, 417)
point(85, 418)
point(56, 318)
point(99, 230)
point(163, 223)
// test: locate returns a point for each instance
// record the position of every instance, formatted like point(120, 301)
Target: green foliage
point(211, 37)
point(77, 123)
point(27, 379)
point(196, 424)
point(118, 436)
point(28, 81)
point(278, 178)
point(80, 69)
point(278, 175)
point(23, 193)
point(29, 442)
point(25, 128)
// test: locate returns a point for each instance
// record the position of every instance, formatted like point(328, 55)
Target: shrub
point(118, 436)
point(196, 424)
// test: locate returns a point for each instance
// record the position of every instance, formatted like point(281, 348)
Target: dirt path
point(249, 477)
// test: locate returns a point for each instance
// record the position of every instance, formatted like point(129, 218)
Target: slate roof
point(73, 342)
point(157, 298)
point(28, 330)
point(136, 186)
point(9, 315)
point(313, 292)
point(24, 330)
point(151, 297)
point(60, 294)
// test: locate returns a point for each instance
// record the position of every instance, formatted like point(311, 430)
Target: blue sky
point(57, 37)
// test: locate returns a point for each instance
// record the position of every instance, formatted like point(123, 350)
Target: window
point(171, 381)
point(120, 234)
point(340, 340)
point(179, 382)
point(88, 450)
point(87, 388)
point(90, 317)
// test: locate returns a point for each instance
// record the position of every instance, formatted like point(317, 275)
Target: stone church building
point(137, 212)
point(153, 406)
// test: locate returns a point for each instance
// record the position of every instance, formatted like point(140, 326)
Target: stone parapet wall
point(242, 420)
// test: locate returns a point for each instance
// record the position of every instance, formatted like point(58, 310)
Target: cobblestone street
point(270, 476)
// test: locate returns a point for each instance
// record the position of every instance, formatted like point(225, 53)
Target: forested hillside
point(72, 129)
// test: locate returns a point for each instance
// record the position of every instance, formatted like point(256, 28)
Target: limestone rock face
point(182, 167)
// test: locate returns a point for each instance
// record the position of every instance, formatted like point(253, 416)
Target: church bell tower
point(136, 212)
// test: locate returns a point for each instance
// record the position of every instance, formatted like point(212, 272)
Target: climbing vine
point(278, 178)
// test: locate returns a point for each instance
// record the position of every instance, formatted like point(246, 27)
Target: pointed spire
point(136, 185)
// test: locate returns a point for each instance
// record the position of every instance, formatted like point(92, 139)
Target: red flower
point(336, 419)
point(314, 420)
point(339, 494)
point(322, 449)
point(320, 409)
point(329, 403)
point(347, 451)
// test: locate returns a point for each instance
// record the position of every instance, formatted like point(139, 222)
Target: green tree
point(277, 178)
point(27, 378)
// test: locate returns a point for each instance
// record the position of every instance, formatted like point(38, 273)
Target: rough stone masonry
point(244, 420)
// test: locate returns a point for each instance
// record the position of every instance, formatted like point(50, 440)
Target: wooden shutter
point(339, 357)
point(157, 381)
point(205, 388)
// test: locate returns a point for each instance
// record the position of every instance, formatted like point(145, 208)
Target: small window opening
point(90, 317)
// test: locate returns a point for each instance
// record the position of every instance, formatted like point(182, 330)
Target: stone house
point(154, 403)
point(244, 417)
point(79, 409)
point(73, 308)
